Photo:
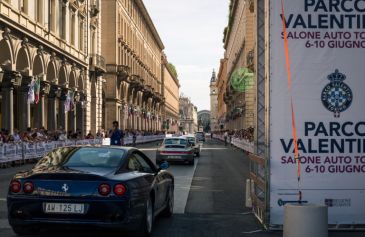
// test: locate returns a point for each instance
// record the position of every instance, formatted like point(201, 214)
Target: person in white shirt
point(225, 138)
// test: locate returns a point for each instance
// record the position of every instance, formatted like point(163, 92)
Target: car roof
point(174, 138)
point(125, 148)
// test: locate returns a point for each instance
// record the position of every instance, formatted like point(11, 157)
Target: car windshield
point(175, 142)
point(82, 157)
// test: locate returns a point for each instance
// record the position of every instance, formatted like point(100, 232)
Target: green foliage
point(230, 21)
point(172, 69)
point(225, 33)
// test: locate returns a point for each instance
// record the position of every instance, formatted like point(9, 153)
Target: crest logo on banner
point(337, 96)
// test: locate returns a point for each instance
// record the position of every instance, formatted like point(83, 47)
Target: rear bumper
point(183, 158)
point(100, 213)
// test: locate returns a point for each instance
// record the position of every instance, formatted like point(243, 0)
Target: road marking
point(183, 179)
point(2, 199)
point(4, 224)
point(246, 213)
point(212, 148)
point(252, 232)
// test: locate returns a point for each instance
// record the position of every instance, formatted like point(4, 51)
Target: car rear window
point(191, 139)
point(175, 142)
point(83, 157)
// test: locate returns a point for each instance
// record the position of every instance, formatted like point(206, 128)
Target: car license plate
point(64, 208)
point(174, 157)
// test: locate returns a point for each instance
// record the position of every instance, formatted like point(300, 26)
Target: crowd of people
point(42, 134)
point(242, 134)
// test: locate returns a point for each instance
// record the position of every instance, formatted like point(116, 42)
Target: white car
point(195, 143)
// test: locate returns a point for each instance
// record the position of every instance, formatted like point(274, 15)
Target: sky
point(192, 32)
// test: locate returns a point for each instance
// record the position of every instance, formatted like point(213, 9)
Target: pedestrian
point(89, 136)
point(116, 135)
point(134, 138)
point(225, 138)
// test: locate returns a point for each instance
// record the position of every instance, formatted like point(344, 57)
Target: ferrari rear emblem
point(65, 188)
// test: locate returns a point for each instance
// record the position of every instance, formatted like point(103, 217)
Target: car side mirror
point(164, 166)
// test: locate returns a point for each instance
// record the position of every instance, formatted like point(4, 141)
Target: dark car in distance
point(101, 186)
point(200, 136)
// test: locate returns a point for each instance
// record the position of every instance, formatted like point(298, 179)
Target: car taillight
point(15, 186)
point(119, 189)
point(28, 187)
point(104, 189)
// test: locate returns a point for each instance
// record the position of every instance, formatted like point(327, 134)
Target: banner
point(19, 151)
point(49, 146)
point(16, 151)
point(326, 50)
point(30, 151)
point(2, 157)
point(40, 149)
point(10, 152)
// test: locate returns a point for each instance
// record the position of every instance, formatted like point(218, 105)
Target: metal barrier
point(258, 187)
point(239, 143)
point(22, 151)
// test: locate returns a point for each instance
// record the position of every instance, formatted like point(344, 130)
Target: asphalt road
point(209, 199)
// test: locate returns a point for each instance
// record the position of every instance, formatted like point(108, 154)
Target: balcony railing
point(97, 63)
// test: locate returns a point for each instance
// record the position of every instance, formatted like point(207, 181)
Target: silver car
point(175, 149)
point(195, 143)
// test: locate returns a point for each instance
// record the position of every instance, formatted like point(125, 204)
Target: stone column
point(41, 111)
point(52, 113)
point(62, 114)
point(7, 91)
point(23, 105)
point(11, 80)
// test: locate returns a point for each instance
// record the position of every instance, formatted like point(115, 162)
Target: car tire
point(20, 230)
point(169, 209)
point(147, 223)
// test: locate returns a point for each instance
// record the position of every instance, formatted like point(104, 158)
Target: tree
point(172, 69)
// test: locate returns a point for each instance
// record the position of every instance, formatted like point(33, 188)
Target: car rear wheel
point(147, 222)
point(168, 211)
point(20, 230)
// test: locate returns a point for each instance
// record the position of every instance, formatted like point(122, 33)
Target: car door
point(143, 180)
point(161, 184)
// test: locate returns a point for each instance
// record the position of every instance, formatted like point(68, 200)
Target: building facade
point(213, 103)
point(171, 94)
point(133, 48)
point(221, 87)
point(188, 116)
point(239, 43)
point(48, 42)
